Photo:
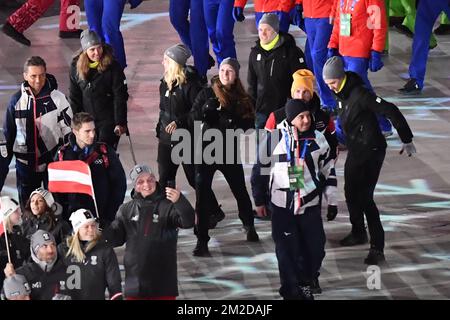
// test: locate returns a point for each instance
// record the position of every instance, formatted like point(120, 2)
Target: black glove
point(211, 111)
point(332, 212)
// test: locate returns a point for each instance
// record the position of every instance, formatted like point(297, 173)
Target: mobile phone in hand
point(171, 184)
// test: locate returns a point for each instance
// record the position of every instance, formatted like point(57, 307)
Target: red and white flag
point(2, 229)
point(70, 177)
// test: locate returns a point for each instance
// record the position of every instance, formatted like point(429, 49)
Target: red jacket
point(368, 28)
point(316, 8)
point(268, 5)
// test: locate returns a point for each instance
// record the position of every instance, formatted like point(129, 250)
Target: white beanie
point(7, 206)
point(79, 218)
point(47, 195)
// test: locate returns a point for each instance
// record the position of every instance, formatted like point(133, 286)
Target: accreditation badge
point(345, 24)
point(296, 179)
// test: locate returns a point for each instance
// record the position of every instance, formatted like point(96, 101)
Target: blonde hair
point(175, 74)
point(83, 62)
point(75, 250)
point(8, 224)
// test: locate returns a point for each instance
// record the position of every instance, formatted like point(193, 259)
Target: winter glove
point(285, 20)
point(134, 3)
point(409, 148)
point(297, 18)
point(332, 52)
point(332, 212)
point(238, 14)
point(211, 111)
point(375, 62)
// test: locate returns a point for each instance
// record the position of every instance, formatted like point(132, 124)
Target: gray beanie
point(39, 238)
point(89, 38)
point(137, 170)
point(233, 63)
point(16, 285)
point(178, 53)
point(333, 69)
point(272, 20)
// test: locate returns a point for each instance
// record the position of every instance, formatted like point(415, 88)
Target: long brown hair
point(236, 94)
point(83, 61)
point(28, 213)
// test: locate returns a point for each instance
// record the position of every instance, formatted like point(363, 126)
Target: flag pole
point(93, 193)
point(6, 239)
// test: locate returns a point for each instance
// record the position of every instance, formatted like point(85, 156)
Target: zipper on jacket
point(35, 132)
point(271, 67)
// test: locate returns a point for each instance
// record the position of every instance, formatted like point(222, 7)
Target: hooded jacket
point(149, 228)
point(46, 283)
point(358, 109)
point(35, 126)
point(270, 73)
point(59, 229)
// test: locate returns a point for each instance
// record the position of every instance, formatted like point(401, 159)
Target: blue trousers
point(220, 24)
point(192, 32)
point(427, 13)
point(299, 247)
point(319, 32)
point(360, 66)
point(104, 18)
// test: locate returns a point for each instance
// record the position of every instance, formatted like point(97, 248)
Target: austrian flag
point(70, 177)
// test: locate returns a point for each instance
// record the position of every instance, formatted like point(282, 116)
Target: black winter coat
point(99, 270)
point(44, 285)
point(60, 230)
point(103, 95)
point(207, 109)
point(270, 73)
point(149, 227)
point(108, 178)
point(19, 249)
point(357, 109)
point(175, 104)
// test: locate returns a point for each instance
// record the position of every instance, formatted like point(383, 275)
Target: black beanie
point(294, 107)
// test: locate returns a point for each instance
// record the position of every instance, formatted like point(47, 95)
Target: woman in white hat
point(95, 261)
point(19, 245)
point(42, 212)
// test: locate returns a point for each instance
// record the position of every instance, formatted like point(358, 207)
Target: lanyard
point(352, 7)
point(288, 146)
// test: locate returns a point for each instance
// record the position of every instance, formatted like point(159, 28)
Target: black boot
point(305, 293)
point(375, 257)
point(411, 87)
point(252, 236)
point(354, 239)
point(201, 249)
point(216, 217)
point(15, 35)
point(315, 286)
point(443, 29)
point(75, 34)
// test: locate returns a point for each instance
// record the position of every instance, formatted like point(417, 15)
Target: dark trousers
point(234, 175)
point(299, 247)
point(105, 133)
point(28, 180)
point(167, 170)
point(360, 180)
